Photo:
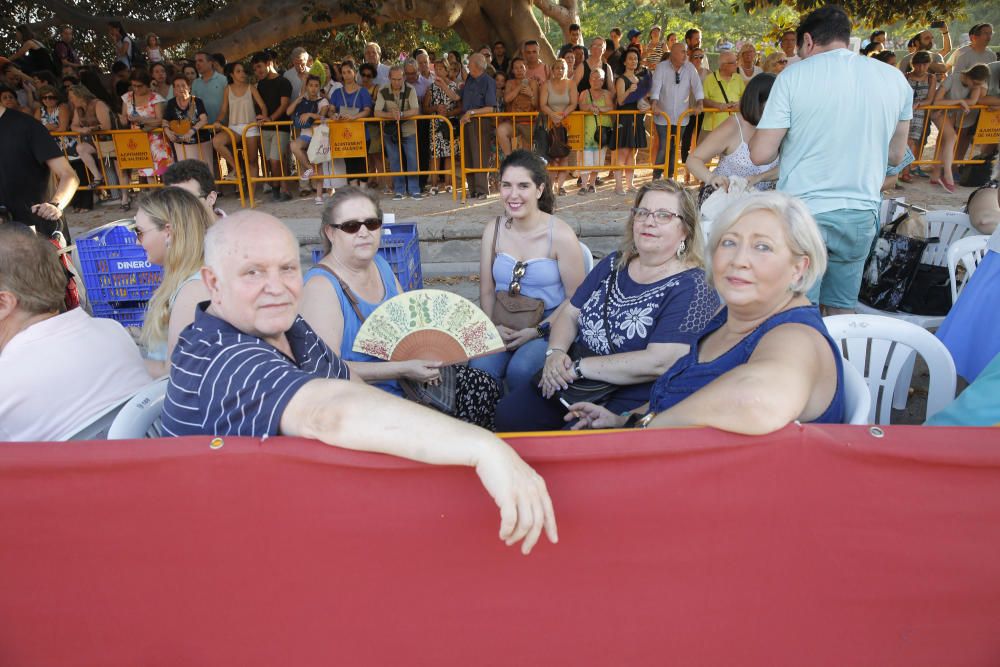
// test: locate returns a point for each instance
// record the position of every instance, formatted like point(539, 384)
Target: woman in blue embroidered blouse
point(637, 313)
point(765, 359)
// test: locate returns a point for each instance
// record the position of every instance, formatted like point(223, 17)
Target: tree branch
point(564, 12)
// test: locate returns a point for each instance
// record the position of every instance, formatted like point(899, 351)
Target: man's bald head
point(223, 238)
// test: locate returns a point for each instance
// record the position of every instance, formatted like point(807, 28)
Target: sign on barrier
point(133, 150)
point(347, 139)
point(574, 131)
point(988, 130)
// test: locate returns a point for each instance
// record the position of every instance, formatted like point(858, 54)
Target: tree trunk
point(245, 26)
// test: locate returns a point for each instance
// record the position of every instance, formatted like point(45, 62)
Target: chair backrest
point(857, 396)
point(588, 258)
point(948, 227)
point(969, 251)
point(136, 418)
point(880, 348)
point(97, 428)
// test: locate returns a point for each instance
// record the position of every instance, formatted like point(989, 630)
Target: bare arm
point(634, 367)
point(224, 109)
point(259, 100)
point(487, 288)
point(897, 145)
point(64, 117)
point(183, 310)
point(716, 143)
point(945, 44)
point(783, 380)
point(67, 183)
point(332, 411)
point(765, 144)
point(276, 114)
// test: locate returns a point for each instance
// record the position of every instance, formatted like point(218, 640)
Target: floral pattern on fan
point(428, 324)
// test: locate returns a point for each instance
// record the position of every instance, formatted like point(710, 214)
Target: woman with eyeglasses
point(766, 358)
point(350, 282)
point(775, 63)
point(376, 162)
point(171, 224)
point(184, 122)
point(635, 314)
point(142, 109)
point(731, 142)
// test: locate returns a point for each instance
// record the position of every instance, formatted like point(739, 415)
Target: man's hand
point(520, 493)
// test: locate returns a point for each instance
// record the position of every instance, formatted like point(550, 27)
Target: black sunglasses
point(677, 77)
point(520, 268)
point(354, 226)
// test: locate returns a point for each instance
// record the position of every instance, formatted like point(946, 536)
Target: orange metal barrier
point(695, 117)
point(523, 130)
point(372, 125)
point(103, 145)
point(933, 115)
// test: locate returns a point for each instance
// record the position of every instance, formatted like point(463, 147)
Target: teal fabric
point(848, 235)
point(978, 405)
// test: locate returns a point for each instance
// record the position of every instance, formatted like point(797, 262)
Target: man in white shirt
point(299, 70)
point(676, 87)
point(373, 56)
point(58, 372)
point(788, 46)
point(834, 156)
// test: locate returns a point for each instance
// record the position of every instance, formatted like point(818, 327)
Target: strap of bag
point(347, 290)
point(607, 300)
point(724, 96)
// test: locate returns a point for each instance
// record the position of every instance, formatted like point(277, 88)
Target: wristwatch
point(637, 420)
point(576, 369)
point(543, 329)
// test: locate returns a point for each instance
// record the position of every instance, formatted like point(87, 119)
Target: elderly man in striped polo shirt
point(249, 365)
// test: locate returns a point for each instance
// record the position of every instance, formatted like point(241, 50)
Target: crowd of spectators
point(683, 331)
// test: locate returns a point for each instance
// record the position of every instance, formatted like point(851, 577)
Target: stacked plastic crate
point(118, 276)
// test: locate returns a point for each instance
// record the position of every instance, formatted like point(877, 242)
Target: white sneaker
point(319, 200)
point(307, 173)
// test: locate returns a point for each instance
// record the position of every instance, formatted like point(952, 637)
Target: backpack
point(136, 56)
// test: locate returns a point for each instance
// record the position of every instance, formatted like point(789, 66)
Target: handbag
point(890, 268)
point(319, 146)
point(540, 135)
point(976, 175)
point(584, 389)
point(514, 311)
point(181, 126)
point(929, 292)
point(558, 142)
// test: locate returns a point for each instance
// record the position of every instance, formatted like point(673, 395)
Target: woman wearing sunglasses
point(350, 282)
point(637, 313)
point(531, 252)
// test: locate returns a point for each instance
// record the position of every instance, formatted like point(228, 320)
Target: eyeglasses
point(697, 57)
point(520, 268)
point(139, 233)
point(661, 215)
point(354, 226)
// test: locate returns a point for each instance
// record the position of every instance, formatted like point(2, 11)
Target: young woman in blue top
point(638, 312)
point(531, 236)
point(351, 102)
point(765, 359)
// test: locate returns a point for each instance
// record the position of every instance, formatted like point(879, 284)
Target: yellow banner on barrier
point(574, 132)
point(347, 139)
point(133, 150)
point(988, 130)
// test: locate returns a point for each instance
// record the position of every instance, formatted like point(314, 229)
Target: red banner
point(815, 546)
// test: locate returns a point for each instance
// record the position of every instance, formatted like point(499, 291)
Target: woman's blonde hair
point(189, 220)
point(690, 220)
point(801, 232)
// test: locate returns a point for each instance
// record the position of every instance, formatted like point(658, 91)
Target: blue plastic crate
point(400, 247)
point(115, 267)
point(127, 313)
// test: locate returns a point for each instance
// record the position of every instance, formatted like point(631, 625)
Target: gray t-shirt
point(904, 64)
point(965, 57)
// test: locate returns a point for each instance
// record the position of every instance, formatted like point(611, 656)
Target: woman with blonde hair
point(171, 224)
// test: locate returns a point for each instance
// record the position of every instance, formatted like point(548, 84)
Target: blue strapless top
point(687, 375)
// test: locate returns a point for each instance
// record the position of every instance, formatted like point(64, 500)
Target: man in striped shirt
point(249, 365)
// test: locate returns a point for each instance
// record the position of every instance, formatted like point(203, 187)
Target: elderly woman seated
point(636, 314)
point(766, 358)
point(350, 282)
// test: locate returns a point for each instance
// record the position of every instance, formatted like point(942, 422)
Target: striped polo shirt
point(226, 382)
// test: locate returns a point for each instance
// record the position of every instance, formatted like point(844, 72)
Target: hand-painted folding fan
point(428, 324)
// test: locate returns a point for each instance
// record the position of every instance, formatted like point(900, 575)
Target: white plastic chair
point(856, 394)
point(881, 348)
point(137, 417)
point(97, 428)
point(969, 251)
point(588, 258)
